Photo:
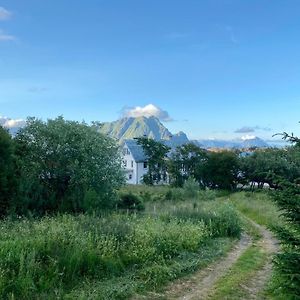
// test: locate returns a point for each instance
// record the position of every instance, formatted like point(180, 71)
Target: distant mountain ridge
point(130, 127)
point(151, 127)
point(243, 143)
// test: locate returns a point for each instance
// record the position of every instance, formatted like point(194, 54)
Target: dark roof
point(136, 150)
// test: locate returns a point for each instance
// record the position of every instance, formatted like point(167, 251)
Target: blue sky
point(219, 69)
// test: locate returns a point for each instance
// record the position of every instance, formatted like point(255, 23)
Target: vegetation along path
point(242, 274)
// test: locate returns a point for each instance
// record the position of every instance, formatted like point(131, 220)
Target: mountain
point(129, 128)
point(253, 141)
point(214, 143)
point(177, 139)
point(242, 143)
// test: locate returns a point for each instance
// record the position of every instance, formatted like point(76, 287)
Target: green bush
point(130, 201)
point(191, 188)
point(207, 194)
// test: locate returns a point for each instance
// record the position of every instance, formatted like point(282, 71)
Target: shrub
point(191, 188)
point(64, 163)
point(130, 201)
point(207, 194)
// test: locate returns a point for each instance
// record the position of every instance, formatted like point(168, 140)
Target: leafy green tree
point(221, 170)
point(66, 166)
point(185, 162)
point(265, 165)
point(156, 153)
point(7, 171)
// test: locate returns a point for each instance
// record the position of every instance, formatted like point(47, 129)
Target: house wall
point(134, 171)
point(141, 171)
point(129, 169)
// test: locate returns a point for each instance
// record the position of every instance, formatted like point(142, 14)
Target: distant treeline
point(67, 166)
point(220, 170)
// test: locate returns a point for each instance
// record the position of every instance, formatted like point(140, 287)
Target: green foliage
point(66, 166)
point(47, 258)
point(7, 172)
point(156, 153)
point(267, 165)
point(187, 161)
point(221, 170)
point(287, 263)
point(130, 201)
point(191, 188)
point(222, 220)
point(258, 207)
point(207, 195)
point(287, 197)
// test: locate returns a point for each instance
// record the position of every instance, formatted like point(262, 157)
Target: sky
point(210, 68)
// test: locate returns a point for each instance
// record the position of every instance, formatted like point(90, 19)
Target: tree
point(66, 166)
point(156, 153)
point(266, 165)
point(287, 197)
point(221, 170)
point(187, 161)
point(7, 171)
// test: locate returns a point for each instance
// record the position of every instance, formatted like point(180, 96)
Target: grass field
point(113, 255)
point(125, 252)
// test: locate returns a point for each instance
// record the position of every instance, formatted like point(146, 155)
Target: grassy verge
point(257, 207)
point(153, 277)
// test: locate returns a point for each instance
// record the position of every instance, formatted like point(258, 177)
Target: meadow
point(116, 254)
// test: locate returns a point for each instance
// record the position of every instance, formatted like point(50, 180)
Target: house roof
point(136, 150)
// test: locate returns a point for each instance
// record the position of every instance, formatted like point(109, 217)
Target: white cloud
point(248, 137)
point(147, 111)
point(6, 37)
point(249, 129)
point(12, 123)
point(4, 14)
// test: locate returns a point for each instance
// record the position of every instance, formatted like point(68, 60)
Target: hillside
point(129, 128)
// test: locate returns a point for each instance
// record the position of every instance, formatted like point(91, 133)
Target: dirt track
point(200, 284)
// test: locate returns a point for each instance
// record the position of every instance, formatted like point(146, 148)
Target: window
point(132, 164)
point(126, 151)
point(125, 163)
point(130, 176)
point(145, 165)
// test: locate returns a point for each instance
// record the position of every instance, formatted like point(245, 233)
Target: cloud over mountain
point(11, 123)
point(149, 110)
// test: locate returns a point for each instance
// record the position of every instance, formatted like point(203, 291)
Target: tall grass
point(53, 257)
point(258, 207)
point(47, 258)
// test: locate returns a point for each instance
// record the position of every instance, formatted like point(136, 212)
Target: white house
point(135, 162)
